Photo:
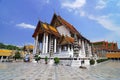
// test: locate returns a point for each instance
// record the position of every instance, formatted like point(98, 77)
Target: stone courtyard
point(42, 71)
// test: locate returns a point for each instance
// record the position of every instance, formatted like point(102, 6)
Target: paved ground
point(41, 71)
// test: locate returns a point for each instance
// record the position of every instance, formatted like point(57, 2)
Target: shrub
point(101, 60)
point(46, 59)
point(17, 55)
point(56, 60)
point(37, 57)
point(92, 62)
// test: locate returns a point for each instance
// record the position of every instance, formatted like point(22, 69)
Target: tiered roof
point(45, 28)
point(51, 28)
point(60, 21)
point(66, 40)
point(105, 45)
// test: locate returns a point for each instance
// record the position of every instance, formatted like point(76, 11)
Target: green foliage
point(2, 46)
point(10, 47)
point(46, 58)
point(101, 60)
point(92, 62)
point(17, 55)
point(56, 60)
point(37, 57)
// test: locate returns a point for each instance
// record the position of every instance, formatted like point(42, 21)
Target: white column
point(90, 51)
point(54, 45)
point(46, 49)
point(49, 43)
point(43, 44)
point(68, 48)
point(1, 58)
point(88, 55)
point(38, 47)
point(34, 46)
point(80, 51)
point(83, 49)
point(80, 42)
point(59, 49)
point(72, 50)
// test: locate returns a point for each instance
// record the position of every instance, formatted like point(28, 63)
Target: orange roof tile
point(29, 47)
point(4, 52)
point(113, 55)
point(45, 26)
point(66, 40)
point(53, 28)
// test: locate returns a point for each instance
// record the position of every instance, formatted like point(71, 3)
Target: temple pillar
point(71, 51)
point(43, 44)
point(49, 43)
point(59, 49)
point(35, 43)
point(1, 58)
point(90, 51)
point(68, 48)
point(34, 46)
point(83, 48)
point(38, 47)
point(80, 44)
point(54, 45)
point(46, 49)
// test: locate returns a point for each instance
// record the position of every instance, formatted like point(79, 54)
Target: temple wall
point(63, 30)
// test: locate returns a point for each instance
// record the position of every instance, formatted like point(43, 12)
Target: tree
point(10, 47)
point(17, 55)
point(2, 46)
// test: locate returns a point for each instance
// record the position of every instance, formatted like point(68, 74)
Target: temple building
point(61, 39)
point(102, 47)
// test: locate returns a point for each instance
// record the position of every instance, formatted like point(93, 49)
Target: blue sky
point(97, 20)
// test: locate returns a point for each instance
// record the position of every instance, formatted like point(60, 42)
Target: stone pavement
point(39, 71)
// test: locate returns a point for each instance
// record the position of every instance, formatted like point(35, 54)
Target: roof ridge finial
point(54, 11)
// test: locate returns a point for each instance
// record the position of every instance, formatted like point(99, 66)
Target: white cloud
point(47, 1)
point(82, 13)
point(106, 22)
point(74, 4)
point(24, 25)
point(101, 4)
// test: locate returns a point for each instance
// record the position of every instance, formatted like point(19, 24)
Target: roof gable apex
point(37, 29)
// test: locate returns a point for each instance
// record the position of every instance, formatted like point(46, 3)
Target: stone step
point(76, 63)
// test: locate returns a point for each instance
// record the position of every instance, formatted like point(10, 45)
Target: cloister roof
point(4, 52)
